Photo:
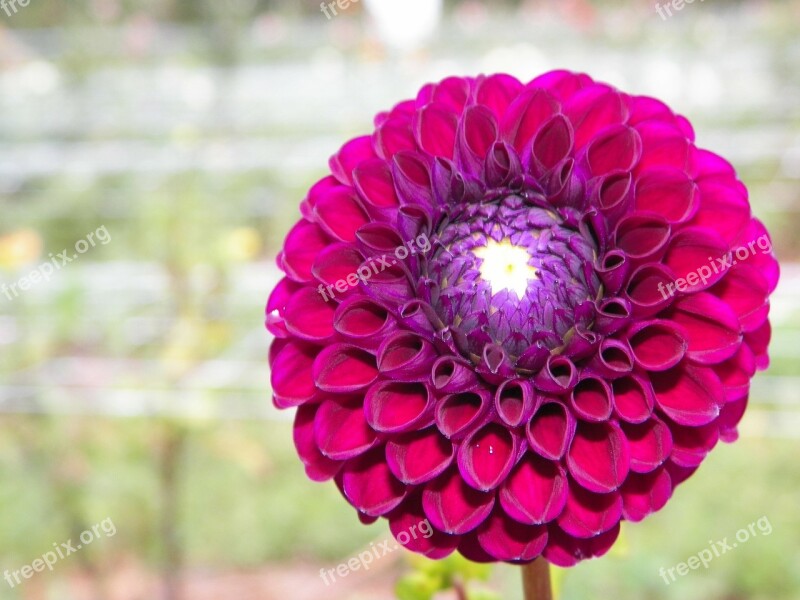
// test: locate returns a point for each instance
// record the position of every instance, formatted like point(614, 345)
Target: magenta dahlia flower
point(523, 312)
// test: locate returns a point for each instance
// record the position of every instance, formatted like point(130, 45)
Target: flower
point(569, 330)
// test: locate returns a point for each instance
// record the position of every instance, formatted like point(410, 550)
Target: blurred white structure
point(405, 24)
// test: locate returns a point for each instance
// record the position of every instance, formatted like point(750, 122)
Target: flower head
point(521, 312)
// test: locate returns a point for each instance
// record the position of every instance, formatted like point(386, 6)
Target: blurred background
point(133, 381)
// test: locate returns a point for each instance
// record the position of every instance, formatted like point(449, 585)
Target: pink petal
point(690, 445)
point(724, 208)
point(650, 444)
point(335, 264)
point(587, 514)
point(668, 192)
point(642, 236)
point(550, 430)
point(363, 322)
point(341, 432)
point(746, 291)
point(406, 356)
point(419, 456)
point(591, 399)
point(689, 395)
point(729, 418)
point(309, 316)
point(451, 375)
point(291, 375)
point(393, 136)
point(370, 486)
point(564, 550)
point(592, 109)
point(340, 214)
point(497, 92)
point(634, 398)
point(392, 406)
point(657, 345)
point(508, 540)
point(477, 133)
point(318, 466)
point(711, 327)
point(650, 289)
point(375, 184)
point(410, 527)
point(614, 359)
point(691, 249)
point(526, 115)
point(435, 130)
point(487, 456)
point(454, 507)
point(535, 492)
point(663, 145)
point(350, 156)
point(457, 414)
point(617, 148)
point(515, 401)
point(598, 458)
point(342, 368)
point(303, 243)
point(553, 142)
point(645, 494)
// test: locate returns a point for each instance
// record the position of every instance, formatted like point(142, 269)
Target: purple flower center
point(512, 274)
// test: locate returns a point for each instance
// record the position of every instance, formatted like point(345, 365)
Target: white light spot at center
point(505, 266)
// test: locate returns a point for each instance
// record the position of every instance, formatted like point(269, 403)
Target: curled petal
point(690, 445)
point(691, 249)
point(375, 184)
point(614, 359)
point(362, 322)
point(657, 345)
point(551, 429)
point(613, 269)
point(486, 456)
point(559, 375)
point(515, 401)
point(393, 406)
point(587, 514)
point(342, 368)
point(564, 550)
point(451, 375)
point(645, 494)
point(650, 444)
point(340, 214)
point(456, 414)
point(417, 457)
point(617, 148)
point(599, 457)
point(526, 115)
point(668, 192)
point(612, 315)
point(292, 382)
point(711, 328)
point(642, 236)
point(591, 399)
point(506, 539)
point(593, 108)
point(318, 466)
point(454, 507)
point(535, 492)
point(303, 243)
point(351, 155)
point(435, 129)
point(406, 356)
point(341, 432)
point(689, 395)
point(634, 398)
point(309, 316)
point(650, 289)
point(370, 486)
point(410, 527)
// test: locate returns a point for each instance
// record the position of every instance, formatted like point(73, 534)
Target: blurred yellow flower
point(19, 248)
